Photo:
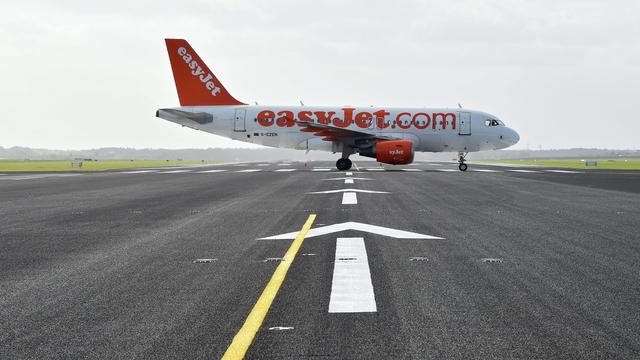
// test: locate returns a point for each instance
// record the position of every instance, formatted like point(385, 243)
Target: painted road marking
point(524, 171)
point(352, 225)
point(284, 170)
point(284, 164)
point(348, 178)
point(564, 171)
point(348, 181)
point(281, 328)
point(249, 170)
point(349, 198)
point(351, 287)
point(173, 171)
point(348, 190)
point(209, 171)
point(137, 171)
point(244, 337)
point(375, 169)
point(348, 173)
point(447, 170)
point(485, 170)
point(411, 169)
point(321, 169)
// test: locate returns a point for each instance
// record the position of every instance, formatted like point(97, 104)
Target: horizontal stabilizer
point(181, 117)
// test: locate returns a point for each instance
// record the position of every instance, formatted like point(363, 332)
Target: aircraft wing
point(333, 133)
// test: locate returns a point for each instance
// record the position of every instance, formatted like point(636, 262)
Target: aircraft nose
point(515, 137)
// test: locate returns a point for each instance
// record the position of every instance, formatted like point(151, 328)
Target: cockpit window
point(493, 122)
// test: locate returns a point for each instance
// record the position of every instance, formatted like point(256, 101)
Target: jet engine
point(395, 152)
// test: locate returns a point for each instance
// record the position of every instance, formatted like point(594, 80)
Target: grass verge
point(66, 165)
point(609, 164)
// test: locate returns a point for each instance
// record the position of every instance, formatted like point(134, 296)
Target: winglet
point(196, 84)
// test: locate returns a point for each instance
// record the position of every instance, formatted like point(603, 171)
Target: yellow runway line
point(244, 337)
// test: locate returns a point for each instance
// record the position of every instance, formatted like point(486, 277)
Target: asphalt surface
point(101, 265)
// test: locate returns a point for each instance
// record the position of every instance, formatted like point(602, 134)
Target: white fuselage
point(430, 129)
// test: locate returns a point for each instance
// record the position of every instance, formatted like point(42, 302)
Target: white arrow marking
point(347, 178)
point(349, 198)
point(352, 225)
point(351, 286)
point(348, 190)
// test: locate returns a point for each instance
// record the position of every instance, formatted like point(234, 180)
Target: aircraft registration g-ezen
point(390, 135)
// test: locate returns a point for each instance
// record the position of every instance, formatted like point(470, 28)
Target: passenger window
point(487, 122)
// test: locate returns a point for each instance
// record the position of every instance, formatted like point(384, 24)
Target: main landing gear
point(343, 164)
point(461, 158)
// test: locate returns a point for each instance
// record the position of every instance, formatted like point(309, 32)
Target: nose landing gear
point(461, 158)
point(343, 164)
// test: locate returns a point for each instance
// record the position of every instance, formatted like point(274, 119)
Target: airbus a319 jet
point(390, 135)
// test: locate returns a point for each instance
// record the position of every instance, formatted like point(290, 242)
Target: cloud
point(92, 74)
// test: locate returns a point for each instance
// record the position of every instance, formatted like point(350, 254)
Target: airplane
point(390, 135)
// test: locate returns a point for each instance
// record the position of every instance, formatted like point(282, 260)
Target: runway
point(495, 262)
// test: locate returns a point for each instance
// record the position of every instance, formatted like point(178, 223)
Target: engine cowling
point(395, 152)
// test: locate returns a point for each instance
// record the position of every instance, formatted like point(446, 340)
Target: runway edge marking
point(247, 333)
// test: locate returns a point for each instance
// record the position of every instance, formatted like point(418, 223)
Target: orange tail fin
point(196, 84)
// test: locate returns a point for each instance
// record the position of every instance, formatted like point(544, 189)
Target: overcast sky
point(83, 74)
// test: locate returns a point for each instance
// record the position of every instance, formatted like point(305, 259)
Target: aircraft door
point(238, 122)
point(465, 124)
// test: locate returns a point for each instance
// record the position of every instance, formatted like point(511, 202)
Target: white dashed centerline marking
point(485, 170)
point(447, 170)
point(249, 170)
point(410, 169)
point(349, 198)
point(321, 169)
point(375, 169)
point(284, 170)
point(351, 286)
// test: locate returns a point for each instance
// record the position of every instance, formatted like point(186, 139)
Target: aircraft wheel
point(462, 167)
point(343, 164)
